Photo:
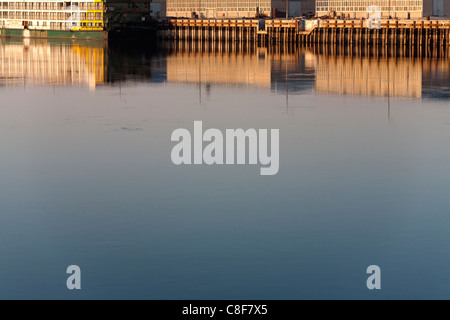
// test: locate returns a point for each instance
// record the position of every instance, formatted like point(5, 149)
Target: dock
point(425, 33)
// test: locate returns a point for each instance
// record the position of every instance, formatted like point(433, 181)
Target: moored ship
point(53, 19)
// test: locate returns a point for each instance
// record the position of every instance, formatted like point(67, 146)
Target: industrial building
point(402, 9)
point(129, 10)
point(436, 8)
point(214, 9)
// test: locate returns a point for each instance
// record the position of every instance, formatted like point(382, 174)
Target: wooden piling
point(351, 33)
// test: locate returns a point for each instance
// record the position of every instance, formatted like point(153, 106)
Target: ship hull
point(53, 34)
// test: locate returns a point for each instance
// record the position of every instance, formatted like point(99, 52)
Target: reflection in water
point(42, 62)
point(368, 76)
point(250, 69)
point(436, 78)
point(285, 70)
point(386, 72)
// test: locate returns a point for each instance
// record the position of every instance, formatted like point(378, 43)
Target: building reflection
point(244, 69)
point(43, 62)
point(368, 76)
point(241, 65)
point(293, 70)
point(286, 70)
point(387, 72)
point(436, 78)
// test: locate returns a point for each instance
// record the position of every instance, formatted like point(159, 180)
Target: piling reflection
point(43, 62)
point(291, 69)
point(382, 71)
point(220, 68)
point(227, 64)
point(369, 76)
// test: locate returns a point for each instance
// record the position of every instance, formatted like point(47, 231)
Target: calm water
point(87, 178)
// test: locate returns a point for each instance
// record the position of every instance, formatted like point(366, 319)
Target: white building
point(358, 8)
point(238, 8)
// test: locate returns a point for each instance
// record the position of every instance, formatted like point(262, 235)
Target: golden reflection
point(291, 69)
point(220, 68)
point(234, 64)
point(403, 72)
point(43, 62)
point(400, 77)
point(285, 70)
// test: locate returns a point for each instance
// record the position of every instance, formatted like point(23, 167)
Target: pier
point(414, 33)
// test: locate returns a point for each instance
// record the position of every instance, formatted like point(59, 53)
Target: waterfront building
point(73, 19)
point(157, 8)
point(402, 9)
point(214, 9)
point(436, 8)
point(51, 17)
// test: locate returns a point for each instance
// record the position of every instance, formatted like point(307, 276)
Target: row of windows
point(220, 5)
point(364, 9)
point(252, 9)
point(60, 25)
point(362, 5)
point(358, 3)
point(51, 16)
point(51, 5)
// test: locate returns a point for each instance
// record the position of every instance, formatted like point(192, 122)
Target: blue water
point(87, 180)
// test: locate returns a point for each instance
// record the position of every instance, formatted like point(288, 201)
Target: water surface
point(87, 179)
